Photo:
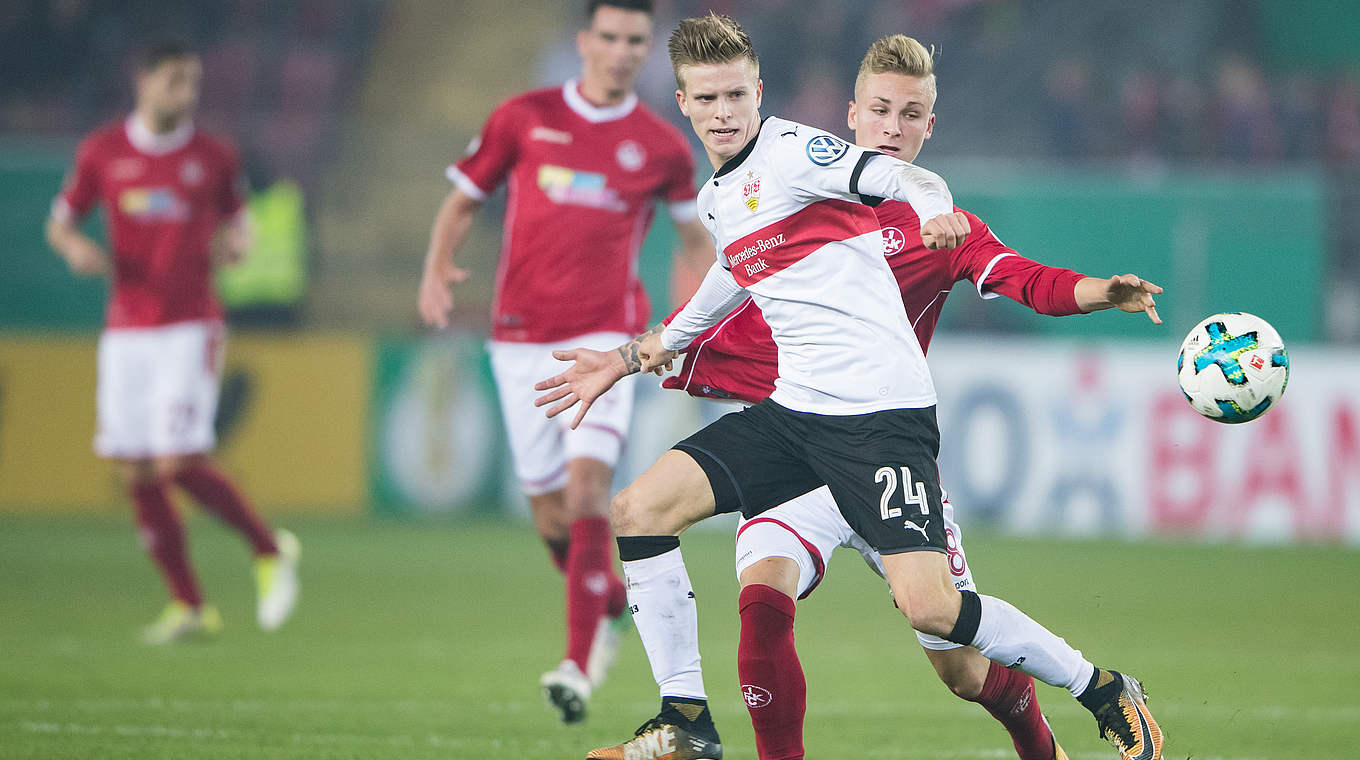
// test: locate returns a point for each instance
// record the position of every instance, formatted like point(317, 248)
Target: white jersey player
point(857, 421)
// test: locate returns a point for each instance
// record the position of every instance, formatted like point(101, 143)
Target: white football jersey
point(791, 227)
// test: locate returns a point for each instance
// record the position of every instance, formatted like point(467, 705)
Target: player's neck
point(598, 95)
point(141, 132)
point(158, 125)
point(718, 160)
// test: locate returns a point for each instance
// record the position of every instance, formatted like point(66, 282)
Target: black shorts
point(879, 466)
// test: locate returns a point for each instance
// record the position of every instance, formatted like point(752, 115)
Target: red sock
point(771, 676)
point(163, 537)
point(1009, 696)
point(589, 573)
point(215, 492)
point(558, 548)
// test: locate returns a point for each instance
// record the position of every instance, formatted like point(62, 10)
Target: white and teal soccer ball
point(1233, 367)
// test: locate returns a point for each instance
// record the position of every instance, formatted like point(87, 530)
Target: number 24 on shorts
point(914, 493)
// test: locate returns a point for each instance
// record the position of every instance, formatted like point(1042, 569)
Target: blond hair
point(898, 54)
point(707, 40)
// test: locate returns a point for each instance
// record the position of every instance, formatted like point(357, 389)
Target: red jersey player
point(782, 554)
point(172, 196)
point(585, 164)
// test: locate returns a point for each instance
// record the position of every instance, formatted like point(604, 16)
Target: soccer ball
point(1233, 367)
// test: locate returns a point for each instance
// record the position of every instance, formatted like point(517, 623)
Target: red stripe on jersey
point(779, 246)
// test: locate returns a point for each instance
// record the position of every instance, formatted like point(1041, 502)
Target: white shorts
point(157, 390)
point(541, 447)
point(808, 529)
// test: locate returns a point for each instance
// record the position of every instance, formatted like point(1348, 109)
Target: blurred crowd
point(1233, 113)
point(1060, 79)
point(278, 69)
point(1160, 82)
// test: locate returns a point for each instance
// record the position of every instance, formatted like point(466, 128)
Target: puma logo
point(918, 528)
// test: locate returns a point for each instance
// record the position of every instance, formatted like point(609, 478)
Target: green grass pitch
point(427, 640)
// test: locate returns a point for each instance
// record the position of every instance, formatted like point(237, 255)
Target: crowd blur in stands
point(277, 69)
point(1160, 83)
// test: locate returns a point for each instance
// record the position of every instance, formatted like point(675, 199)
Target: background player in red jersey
point(172, 196)
point(585, 164)
point(783, 554)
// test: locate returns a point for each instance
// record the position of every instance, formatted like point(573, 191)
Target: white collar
point(593, 113)
point(146, 141)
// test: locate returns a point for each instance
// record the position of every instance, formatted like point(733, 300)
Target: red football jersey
point(582, 183)
point(165, 196)
point(736, 358)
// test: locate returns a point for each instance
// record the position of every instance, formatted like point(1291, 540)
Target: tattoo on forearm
point(632, 359)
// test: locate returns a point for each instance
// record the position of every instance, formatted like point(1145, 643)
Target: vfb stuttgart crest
point(893, 241)
point(750, 191)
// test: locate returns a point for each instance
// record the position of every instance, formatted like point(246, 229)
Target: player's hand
point(591, 374)
point(1131, 293)
point(652, 356)
point(232, 241)
point(435, 299)
point(227, 256)
point(86, 257)
point(945, 231)
point(226, 252)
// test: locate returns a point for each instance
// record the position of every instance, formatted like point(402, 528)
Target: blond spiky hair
point(898, 54)
point(709, 39)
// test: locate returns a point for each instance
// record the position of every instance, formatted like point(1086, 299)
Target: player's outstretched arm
point(592, 373)
point(595, 372)
point(1127, 292)
point(82, 255)
point(451, 225)
point(716, 297)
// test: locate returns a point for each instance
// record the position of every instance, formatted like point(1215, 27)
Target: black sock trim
point(632, 548)
point(1091, 697)
point(702, 723)
point(970, 616)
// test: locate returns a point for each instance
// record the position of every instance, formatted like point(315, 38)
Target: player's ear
point(760, 89)
point(680, 99)
point(930, 125)
point(850, 117)
point(581, 36)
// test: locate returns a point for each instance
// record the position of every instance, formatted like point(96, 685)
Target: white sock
point(1014, 639)
point(667, 621)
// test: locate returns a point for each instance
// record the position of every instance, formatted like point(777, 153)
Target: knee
point(634, 512)
point(779, 573)
point(625, 513)
point(587, 491)
point(170, 468)
point(963, 689)
point(140, 472)
point(550, 515)
point(929, 611)
point(964, 681)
